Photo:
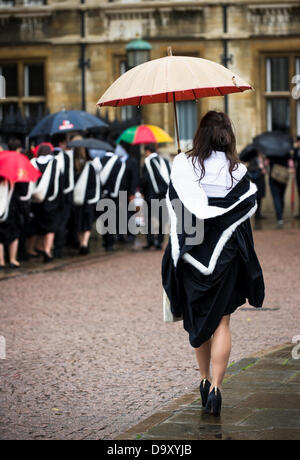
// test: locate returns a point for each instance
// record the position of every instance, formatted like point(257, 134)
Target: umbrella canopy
point(144, 134)
point(66, 121)
point(248, 152)
point(171, 79)
point(273, 143)
point(16, 167)
point(94, 144)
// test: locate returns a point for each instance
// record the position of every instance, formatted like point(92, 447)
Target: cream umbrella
point(172, 79)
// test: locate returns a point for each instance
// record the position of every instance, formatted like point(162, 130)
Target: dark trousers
point(60, 235)
point(156, 238)
point(278, 191)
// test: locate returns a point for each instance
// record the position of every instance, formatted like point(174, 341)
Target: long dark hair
point(215, 133)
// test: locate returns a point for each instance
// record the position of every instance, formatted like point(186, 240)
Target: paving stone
point(272, 401)
point(266, 418)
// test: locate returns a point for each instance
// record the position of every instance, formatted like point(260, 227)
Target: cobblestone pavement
point(88, 355)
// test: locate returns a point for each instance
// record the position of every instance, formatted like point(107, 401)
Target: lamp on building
point(138, 52)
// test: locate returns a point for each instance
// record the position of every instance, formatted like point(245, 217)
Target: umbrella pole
point(176, 124)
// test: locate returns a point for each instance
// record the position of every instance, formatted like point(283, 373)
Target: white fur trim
point(173, 231)
point(70, 154)
point(151, 174)
point(6, 191)
point(97, 167)
point(191, 193)
point(219, 247)
point(118, 181)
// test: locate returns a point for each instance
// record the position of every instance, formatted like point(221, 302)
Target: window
point(10, 73)
point(278, 96)
point(7, 3)
point(187, 120)
point(282, 111)
point(34, 80)
point(25, 90)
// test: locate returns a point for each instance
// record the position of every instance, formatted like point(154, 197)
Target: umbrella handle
point(176, 124)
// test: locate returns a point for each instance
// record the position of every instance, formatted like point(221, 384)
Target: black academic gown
point(47, 214)
point(85, 213)
point(212, 278)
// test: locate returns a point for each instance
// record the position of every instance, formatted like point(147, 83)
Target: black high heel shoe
point(214, 402)
point(204, 391)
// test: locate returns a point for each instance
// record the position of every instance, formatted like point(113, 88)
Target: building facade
point(47, 48)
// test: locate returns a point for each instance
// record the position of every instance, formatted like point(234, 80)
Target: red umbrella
point(16, 167)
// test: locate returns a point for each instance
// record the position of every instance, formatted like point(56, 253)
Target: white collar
point(43, 159)
point(152, 155)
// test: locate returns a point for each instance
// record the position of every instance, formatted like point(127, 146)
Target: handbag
point(280, 174)
point(167, 312)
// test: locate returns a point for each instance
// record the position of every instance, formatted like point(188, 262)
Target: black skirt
point(206, 299)
point(10, 230)
point(46, 217)
point(84, 217)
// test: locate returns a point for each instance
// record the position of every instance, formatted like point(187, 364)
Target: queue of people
point(39, 219)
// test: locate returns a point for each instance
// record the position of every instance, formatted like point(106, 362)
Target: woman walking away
point(206, 278)
point(47, 201)
point(86, 195)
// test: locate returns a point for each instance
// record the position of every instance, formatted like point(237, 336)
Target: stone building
point(42, 43)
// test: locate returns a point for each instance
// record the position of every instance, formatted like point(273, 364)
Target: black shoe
point(14, 266)
point(214, 402)
point(204, 391)
point(109, 248)
point(47, 258)
point(84, 251)
point(2, 267)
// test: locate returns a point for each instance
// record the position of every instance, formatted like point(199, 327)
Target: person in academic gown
point(66, 158)
point(210, 267)
point(47, 200)
point(86, 195)
point(111, 176)
point(129, 184)
point(9, 223)
point(153, 185)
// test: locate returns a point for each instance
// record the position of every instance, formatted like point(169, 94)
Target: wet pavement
point(88, 355)
point(261, 401)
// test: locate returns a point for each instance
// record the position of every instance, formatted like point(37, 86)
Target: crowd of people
point(39, 219)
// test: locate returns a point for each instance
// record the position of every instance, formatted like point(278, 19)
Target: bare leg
point(32, 241)
point(220, 351)
point(85, 239)
point(13, 250)
point(2, 261)
point(203, 359)
point(48, 243)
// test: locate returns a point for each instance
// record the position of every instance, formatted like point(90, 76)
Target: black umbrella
point(273, 143)
point(248, 152)
point(67, 121)
point(90, 143)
